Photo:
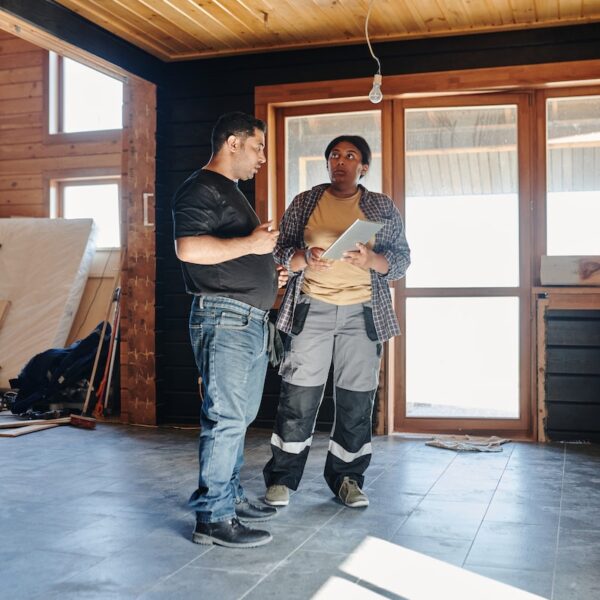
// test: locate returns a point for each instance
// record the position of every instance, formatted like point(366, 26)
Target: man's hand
point(262, 240)
point(366, 259)
point(282, 276)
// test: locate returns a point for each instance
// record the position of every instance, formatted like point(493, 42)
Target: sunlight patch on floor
point(391, 571)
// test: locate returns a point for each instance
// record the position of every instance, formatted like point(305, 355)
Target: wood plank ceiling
point(187, 29)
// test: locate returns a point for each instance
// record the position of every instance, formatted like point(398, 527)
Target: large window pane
point(462, 217)
point(462, 357)
point(573, 175)
point(91, 100)
point(99, 202)
point(306, 138)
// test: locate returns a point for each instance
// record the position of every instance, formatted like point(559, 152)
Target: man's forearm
point(210, 250)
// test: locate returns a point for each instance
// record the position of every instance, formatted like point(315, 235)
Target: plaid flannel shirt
point(389, 241)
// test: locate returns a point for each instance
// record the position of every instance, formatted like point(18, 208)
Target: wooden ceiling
point(187, 29)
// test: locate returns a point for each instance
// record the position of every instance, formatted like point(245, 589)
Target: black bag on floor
point(51, 376)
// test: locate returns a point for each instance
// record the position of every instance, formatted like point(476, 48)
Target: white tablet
point(359, 231)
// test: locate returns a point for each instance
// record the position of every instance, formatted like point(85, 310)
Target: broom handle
point(113, 298)
point(112, 361)
point(96, 360)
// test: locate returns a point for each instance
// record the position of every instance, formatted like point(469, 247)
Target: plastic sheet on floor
point(468, 443)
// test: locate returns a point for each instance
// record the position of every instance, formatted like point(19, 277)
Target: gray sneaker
point(351, 495)
point(277, 495)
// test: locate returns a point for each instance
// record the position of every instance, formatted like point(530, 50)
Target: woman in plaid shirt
point(334, 310)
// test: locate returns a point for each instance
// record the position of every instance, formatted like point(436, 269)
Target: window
point(97, 199)
point(82, 98)
point(461, 195)
point(573, 175)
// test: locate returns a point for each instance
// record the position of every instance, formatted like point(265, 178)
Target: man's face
point(250, 156)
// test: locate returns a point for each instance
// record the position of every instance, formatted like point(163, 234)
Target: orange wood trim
point(263, 185)
point(571, 73)
point(280, 170)
point(35, 35)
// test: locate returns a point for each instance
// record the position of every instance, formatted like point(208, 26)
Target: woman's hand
point(313, 259)
point(310, 257)
point(366, 259)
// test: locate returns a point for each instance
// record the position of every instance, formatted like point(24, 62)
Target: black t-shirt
point(208, 203)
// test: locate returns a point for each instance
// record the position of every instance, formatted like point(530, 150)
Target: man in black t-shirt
point(227, 262)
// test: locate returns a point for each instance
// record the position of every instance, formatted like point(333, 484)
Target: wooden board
point(25, 430)
point(32, 422)
point(570, 270)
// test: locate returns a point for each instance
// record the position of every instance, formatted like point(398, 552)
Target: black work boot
point(246, 511)
point(231, 534)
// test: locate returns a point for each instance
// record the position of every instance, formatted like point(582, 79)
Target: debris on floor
point(468, 443)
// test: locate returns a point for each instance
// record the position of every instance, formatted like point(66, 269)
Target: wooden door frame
point(546, 76)
point(138, 275)
point(523, 425)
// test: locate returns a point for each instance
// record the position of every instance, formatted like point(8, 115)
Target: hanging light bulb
point(375, 95)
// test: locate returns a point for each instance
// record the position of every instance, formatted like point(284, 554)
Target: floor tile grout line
point(486, 510)
point(277, 565)
point(425, 494)
point(560, 507)
point(423, 498)
point(170, 575)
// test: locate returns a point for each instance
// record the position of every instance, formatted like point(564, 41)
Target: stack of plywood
point(44, 265)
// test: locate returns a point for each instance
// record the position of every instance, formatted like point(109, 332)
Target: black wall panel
point(195, 93)
point(573, 375)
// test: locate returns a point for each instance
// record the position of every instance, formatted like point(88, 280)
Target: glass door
point(463, 362)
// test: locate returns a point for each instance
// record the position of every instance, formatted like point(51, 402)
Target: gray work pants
point(337, 333)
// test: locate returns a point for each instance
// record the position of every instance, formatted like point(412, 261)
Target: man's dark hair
point(234, 123)
point(356, 140)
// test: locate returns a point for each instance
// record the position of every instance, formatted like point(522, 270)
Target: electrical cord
point(371, 3)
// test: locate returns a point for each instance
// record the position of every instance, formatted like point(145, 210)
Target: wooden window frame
point(273, 103)
point(53, 104)
point(539, 186)
point(56, 182)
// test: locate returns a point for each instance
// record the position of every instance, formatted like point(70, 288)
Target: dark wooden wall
point(195, 93)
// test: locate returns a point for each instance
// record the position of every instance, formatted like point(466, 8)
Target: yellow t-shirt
point(343, 283)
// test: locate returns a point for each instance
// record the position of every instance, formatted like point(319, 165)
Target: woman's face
point(344, 165)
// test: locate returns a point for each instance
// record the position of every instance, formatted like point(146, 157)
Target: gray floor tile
point(531, 513)
point(453, 551)
point(513, 546)
point(286, 539)
point(535, 582)
point(435, 517)
point(116, 525)
point(299, 577)
point(194, 582)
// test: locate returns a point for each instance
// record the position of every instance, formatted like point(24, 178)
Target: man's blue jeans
point(229, 339)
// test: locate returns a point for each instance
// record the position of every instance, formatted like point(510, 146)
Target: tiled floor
point(102, 514)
